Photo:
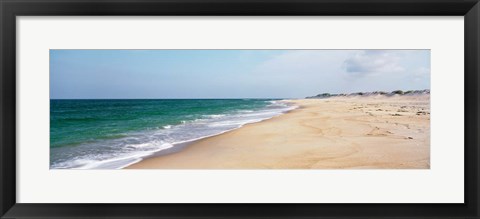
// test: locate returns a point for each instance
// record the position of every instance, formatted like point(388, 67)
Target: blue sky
point(104, 74)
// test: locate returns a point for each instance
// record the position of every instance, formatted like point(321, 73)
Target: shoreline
point(333, 133)
point(178, 147)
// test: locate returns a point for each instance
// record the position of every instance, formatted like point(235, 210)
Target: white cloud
point(301, 73)
point(373, 61)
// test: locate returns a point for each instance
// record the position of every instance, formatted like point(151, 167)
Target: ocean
point(112, 134)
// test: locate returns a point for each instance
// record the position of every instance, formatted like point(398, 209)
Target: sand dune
point(340, 132)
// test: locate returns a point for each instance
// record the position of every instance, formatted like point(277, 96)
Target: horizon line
point(223, 98)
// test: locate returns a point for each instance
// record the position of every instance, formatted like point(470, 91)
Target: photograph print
point(240, 109)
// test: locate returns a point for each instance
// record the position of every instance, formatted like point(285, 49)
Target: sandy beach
point(375, 132)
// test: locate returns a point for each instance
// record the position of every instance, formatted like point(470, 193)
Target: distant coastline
point(374, 93)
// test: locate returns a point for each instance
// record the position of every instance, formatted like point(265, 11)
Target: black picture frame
point(9, 9)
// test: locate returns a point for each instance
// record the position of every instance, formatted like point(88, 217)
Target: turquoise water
point(110, 134)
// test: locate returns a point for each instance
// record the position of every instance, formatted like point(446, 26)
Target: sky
point(159, 74)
